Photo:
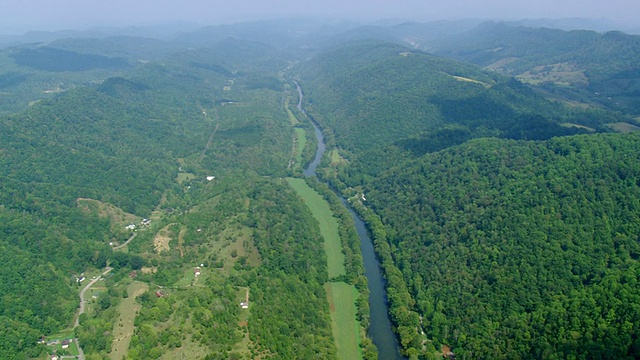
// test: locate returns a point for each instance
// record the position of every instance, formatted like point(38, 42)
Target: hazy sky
point(66, 14)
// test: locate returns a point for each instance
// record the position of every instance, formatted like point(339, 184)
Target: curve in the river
point(380, 328)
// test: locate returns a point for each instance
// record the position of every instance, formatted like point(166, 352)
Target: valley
point(181, 198)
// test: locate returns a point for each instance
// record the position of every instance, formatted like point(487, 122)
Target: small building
point(54, 357)
point(196, 271)
point(131, 227)
point(65, 343)
point(244, 305)
point(145, 222)
point(209, 178)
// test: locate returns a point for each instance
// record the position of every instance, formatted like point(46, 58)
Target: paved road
point(81, 311)
point(126, 242)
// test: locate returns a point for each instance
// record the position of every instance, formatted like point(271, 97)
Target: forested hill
point(506, 222)
point(121, 143)
point(519, 249)
point(373, 94)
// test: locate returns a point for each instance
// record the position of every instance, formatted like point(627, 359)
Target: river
point(380, 329)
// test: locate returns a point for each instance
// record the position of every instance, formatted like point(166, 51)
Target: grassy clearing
point(118, 218)
point(569, 125)
point(182, 177)
point(337, 159)
point(188, 277)
point(123, 327)
point(328, 225)
point(344, 325)
point(623, 127)
point(464, 79)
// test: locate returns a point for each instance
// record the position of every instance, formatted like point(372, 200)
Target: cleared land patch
point(118, 218)
point(460, 78)
point(328, 225)
point(123, 327)
point(560, 74)
point(578, 126)
point(623, 127)
point(184, 176)
point(337, 159)
point(162, 238)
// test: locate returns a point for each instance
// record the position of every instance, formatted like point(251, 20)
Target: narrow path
point(210, 141)
point(125, 243)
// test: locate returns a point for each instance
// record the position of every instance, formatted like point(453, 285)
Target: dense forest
point(518, 249)
point(501, 229)
point(79, 167)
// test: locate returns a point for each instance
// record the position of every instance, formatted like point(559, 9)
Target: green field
point(183, 176)
point(292, 117)
point(328, 225)
point(341, 296)
point(344, 325)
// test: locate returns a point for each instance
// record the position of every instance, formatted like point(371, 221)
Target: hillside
point(79, 167)
point(514, 249)
point(600, 68)
point(490, 214)
point(374, 99)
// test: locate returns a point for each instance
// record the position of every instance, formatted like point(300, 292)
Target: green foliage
point(373, 94)
point(532, 239)
point(600, 68)
point(291, 315)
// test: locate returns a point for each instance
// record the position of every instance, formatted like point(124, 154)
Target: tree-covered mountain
point(490, 219)
point(518, 249)
point(371, 95)
point(130, 143)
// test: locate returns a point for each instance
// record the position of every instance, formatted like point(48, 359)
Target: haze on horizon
point(25, 15)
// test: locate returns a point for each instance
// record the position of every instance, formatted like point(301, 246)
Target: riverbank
point(363, 267)
point(340, 295)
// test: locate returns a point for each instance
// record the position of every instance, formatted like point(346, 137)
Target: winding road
point(82, 306)
point(82, 301)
